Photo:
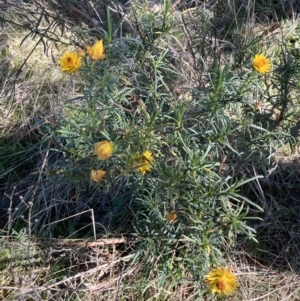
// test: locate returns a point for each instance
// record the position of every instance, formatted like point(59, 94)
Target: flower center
point(261, 63)
point(69, 60)
point(221, 284)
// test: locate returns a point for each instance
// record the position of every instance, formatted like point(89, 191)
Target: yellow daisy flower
point(221, 281)
point(261, 64)
point(143, 163)
point(171, 216)
point(97, 175)
point(70, 62)
point(96, 52)
point(103, 149)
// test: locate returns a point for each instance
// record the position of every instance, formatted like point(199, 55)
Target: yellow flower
point(261, 64)
point(70, 62)
point(143, 163)
point(97, 175)
point(96, 52)
point(221, 281)
point(103, 149)
point(171, 216)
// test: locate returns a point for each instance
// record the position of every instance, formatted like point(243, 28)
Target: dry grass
point(263, 283)
point(31, 78)
point(62, 268)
